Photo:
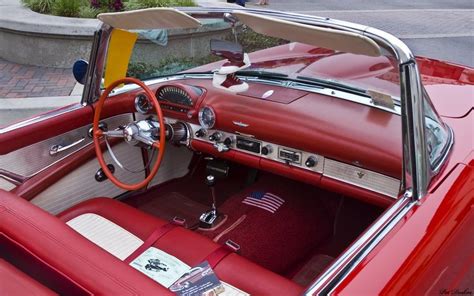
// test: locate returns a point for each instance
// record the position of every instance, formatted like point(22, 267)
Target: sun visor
point(150, 18)
point(321, 37)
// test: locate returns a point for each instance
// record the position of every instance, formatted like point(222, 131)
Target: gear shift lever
point(210, 218)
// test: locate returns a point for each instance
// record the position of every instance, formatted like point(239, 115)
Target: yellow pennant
point(118, 55)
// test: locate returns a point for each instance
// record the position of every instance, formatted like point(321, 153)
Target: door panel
point(80, 184)
point(44, 126)
point(30, 160)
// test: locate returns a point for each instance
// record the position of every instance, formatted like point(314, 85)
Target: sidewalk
point(20, 81)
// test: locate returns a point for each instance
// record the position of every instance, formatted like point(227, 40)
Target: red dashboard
point(313, 138)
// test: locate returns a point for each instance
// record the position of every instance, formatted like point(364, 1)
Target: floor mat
point(280, 240)
point(172, 204)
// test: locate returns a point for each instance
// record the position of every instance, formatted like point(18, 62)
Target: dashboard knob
point(215, 137)
point(311, 162)
point(267, 149)
point(228, 142)
point(200, 133)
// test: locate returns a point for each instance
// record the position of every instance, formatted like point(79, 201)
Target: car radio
point(248, 145)
point(289, 156)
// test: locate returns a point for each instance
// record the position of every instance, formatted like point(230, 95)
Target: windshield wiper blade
point(261, 73)
point(335, 84)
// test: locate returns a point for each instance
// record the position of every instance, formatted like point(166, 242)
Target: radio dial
point(310, 162)
point(228, 142)
point(267, 149)
point(200, 133)
point(215, 137)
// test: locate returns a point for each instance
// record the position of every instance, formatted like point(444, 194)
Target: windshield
point(160, 53)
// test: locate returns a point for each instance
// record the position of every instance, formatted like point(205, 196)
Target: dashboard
point(277, 134)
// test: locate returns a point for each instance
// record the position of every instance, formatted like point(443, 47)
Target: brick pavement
point(20, 81)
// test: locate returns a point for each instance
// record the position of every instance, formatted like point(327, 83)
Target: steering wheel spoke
point(114, 134)
point(144, 139)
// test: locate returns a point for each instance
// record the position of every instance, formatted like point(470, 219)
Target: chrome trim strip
point(39, 118)
point(363, 178)
point(348, 260)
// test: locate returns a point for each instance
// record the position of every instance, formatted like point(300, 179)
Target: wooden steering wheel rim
point(97, 134)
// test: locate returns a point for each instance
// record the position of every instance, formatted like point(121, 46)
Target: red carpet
point(286, 241)
point(281, 240)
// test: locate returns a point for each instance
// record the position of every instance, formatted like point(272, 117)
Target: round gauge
point(143, 104)
point(207, 117)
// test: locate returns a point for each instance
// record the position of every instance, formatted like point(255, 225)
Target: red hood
point(450, 86)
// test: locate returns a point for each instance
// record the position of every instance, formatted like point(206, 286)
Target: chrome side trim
point(348, 260)
point(40, 118)
point(362, 178)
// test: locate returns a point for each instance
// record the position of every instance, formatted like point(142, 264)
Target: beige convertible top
point(150, 18)
point(323, 37)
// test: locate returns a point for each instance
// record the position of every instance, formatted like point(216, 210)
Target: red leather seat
point(188, 246)
point(53, 254)
point(15, 282)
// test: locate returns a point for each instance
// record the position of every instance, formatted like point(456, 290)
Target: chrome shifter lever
point(210, 218)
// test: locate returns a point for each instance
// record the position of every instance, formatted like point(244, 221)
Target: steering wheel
point(129, 133)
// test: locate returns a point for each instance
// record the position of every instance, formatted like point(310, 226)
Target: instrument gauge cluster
point(143, 104)
point(176, 95)
point(207, 117)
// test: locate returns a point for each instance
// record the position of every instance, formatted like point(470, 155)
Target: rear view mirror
point(226, 49)
point(79, 70)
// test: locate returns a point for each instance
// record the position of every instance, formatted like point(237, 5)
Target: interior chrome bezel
point(201, 120)
point(138, 107)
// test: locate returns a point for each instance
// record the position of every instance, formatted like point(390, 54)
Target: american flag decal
point(264, 200)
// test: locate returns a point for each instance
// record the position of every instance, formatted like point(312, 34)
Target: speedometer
point(207, 117)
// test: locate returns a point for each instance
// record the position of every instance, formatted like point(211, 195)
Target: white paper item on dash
point(160, 266)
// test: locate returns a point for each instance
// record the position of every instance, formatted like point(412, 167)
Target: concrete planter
point(30, 38)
